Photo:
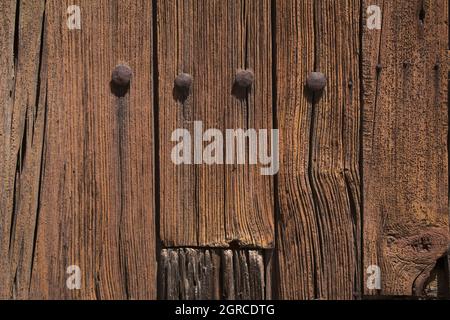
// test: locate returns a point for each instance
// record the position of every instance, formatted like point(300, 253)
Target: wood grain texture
point(214, 205)
point(212, 274)
point(448, 60)
point(85, 169)
point(405, 143)
point(318, 232)
point(96, 208)
point(22, 121)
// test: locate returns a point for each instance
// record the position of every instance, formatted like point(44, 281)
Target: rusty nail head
point(121, 75)
point(244, 78)
point(316, 81)
point(183, 81)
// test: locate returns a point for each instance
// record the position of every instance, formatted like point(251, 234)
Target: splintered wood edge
point(213, 274)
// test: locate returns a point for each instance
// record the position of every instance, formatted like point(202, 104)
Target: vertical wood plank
point(214, 205)
point(22, 120)
point(405, 143)
point(97, 197)
point(318, 234)
point(196, 274)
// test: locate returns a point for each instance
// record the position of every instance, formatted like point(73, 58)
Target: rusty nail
point(183, 81)
point(316, 81)
point(121, 75)
point(244, 78)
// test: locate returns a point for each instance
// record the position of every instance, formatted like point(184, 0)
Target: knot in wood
point(244, 78)
point(316, 81)
point(121, 75)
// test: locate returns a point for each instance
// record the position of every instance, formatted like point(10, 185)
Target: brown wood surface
point(318, 234)
point(22, 120)
point(205, 274)
point(405, 143)
point(214, 205)
point(86, 176)
point(79, 189)
point(448, 60)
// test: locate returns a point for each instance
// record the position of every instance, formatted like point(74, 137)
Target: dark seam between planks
point(275, 285)
point(156, 144)
point(310, 160)
point(361, 149)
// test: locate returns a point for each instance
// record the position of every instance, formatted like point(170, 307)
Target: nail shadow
point(312, 96)
point(239, 92)
point(118, 91)
point(180, 94)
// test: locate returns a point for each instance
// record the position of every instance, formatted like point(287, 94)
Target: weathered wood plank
point(22, 120)
point(214, 205)
point(405, 143)
point(205, 274)
point(318, 238)
point(97, 209)
point(448, 60)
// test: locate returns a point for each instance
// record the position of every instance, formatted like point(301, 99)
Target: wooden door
point(93, 206)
